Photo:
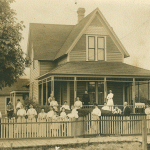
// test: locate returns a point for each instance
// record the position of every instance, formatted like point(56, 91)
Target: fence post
point(144, 134)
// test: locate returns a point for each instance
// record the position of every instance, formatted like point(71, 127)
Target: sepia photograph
point(75, 74)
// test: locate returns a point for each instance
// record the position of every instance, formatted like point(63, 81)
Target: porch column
point(96, 88)
point(138, 93)
point(123, 93)
point(75, 88)
point(42, 94)
point(68, 93)
point(14, 102)
point(105, 89)
point(148, 89)
point(52, 85)
point(46, 92)
point(133, 95)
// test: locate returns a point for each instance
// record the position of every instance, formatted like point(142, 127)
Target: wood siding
point(117, 89)
point(46, 66)
point(34, 73)
point(96, 30)
point(79, 51)
point(112, 52)
point(3, 104)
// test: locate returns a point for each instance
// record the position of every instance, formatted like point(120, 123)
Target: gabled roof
point(47, 39)
point(20, 85)
point(51, 41)
point(99, 69)
point(79, 29)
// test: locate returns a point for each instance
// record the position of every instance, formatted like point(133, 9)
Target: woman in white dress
point(54, 104)
point(78, 103)
point(110, 102)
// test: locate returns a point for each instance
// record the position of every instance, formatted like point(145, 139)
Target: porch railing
point(105, 125)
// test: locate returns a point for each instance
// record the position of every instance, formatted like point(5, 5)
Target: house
point(18, 90)
point(69, 59)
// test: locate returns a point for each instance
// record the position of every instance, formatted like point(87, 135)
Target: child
point(63, 114)
point(50, 114)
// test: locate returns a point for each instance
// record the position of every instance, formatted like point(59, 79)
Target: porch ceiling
point(99, 69)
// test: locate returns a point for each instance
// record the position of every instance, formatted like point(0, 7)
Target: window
point(96, 48)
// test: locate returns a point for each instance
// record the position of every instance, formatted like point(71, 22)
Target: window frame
point(96, 47)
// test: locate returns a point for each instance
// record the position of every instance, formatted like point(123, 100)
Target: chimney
point(80, 12)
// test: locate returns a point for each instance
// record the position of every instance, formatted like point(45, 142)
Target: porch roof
point(98, 69)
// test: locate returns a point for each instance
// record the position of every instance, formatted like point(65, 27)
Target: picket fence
point(115, 124)
point(88, 125)
point(35, 128)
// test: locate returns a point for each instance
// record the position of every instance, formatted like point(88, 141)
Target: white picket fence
point(35, 128)
point(115, 125)
point(89, 125)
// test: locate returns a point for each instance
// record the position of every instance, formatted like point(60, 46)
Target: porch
point(67, 88)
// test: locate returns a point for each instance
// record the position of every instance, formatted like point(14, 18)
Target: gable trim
point(112, 34)
point(81, 33)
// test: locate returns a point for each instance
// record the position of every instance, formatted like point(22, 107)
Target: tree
point(11, 55)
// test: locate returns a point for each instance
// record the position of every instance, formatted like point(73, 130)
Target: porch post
point(75, 88)
point(42, 93)
point(138, 92)
point(105, 90)
point(46, 92)
point(14, 102)
point(68, 92)
point(133, 95)
point(123, 93)
point(96, 87)
point(52, 85)
point(148, 89)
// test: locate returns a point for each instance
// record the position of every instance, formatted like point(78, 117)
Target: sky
point(130, 19)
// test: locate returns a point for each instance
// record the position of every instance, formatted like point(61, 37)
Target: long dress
point(110, 102)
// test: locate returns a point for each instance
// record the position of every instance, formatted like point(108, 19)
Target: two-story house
point(69, 59)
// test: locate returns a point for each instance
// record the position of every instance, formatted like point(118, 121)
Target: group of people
point(53, 113)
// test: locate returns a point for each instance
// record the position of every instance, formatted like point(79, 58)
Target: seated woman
point(63, 114)
point(42, 115)
point(105, 107)
point(66, 106)
point(78, 103)
point(54, 104)
point(74, 113)
point(50, 114)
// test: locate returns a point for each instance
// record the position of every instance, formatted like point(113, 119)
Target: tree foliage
point(11, 54)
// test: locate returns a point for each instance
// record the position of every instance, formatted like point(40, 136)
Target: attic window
point(95, 48)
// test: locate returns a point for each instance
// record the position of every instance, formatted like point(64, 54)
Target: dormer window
point(95, 48)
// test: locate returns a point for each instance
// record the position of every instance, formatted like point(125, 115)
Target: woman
point(78, 103)
point(74, 113)
point(110, 102)
point(54, 104)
